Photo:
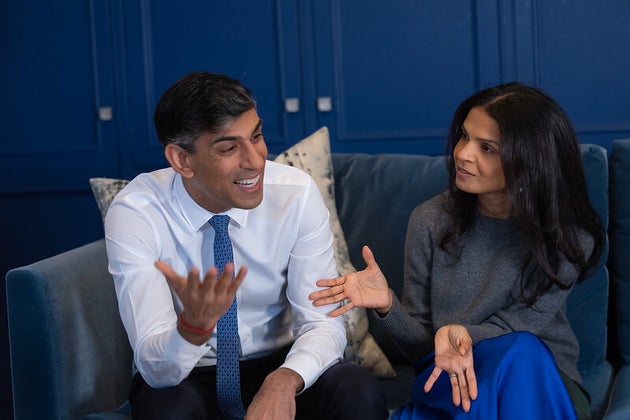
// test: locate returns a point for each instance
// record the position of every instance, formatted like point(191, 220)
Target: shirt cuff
point(178, 348)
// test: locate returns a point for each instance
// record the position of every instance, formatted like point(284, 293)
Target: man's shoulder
point(160, 178)
point(281, 174)
point(143, 201)
point(148, 186)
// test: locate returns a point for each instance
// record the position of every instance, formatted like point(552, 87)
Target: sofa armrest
point(69, 352)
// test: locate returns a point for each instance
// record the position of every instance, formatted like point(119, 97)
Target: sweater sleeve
point(409, 321)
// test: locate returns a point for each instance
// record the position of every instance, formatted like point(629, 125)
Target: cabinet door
point(583, 50)
point(396, 70)
point(56, 103)
point(255, 42)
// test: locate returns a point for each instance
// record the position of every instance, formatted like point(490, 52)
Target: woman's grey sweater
point(480, 290)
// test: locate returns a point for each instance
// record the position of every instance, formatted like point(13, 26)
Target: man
point(161, 231)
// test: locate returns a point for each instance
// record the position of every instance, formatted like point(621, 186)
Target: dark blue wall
point(394, 72)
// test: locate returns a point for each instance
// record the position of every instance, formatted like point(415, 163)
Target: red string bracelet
point(194, 329)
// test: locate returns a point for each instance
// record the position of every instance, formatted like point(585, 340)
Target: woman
point(489, 265)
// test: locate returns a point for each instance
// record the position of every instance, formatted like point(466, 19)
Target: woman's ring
point(452, 375)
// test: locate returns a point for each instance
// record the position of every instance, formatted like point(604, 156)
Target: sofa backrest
point(375, 195)
point(587, 305)
point(620, 243)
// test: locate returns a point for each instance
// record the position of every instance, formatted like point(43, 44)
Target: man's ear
point(178, 158)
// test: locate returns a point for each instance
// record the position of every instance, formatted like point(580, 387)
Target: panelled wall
point(79, 81)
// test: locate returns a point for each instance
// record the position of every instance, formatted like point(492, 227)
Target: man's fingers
point(165, 268)
point(222, 283)
point(238, 280)
point(171, 276)
point(193, 281)
point(210, 279)
point(226, 282)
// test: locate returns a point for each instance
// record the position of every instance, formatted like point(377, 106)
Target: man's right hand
point(204, 302)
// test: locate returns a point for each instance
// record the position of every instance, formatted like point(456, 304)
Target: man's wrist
point(285, 377)
point(192, 334)
point(193, 329)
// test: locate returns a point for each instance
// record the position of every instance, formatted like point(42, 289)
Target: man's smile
point(248, 184)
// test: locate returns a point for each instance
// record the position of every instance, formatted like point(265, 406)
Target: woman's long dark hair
point(545, 181)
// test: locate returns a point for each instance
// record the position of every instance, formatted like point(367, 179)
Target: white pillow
point(312, 155)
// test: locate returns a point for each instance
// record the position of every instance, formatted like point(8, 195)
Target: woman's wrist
point(385, 310)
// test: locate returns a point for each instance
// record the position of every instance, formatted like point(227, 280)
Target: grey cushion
point(375, 195)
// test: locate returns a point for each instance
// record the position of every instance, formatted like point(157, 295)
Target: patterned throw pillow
point(312, 155)
point(105, 189)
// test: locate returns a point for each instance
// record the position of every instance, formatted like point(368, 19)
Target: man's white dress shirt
point(285, 242)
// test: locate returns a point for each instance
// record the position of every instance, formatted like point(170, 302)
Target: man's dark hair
point(198, 103)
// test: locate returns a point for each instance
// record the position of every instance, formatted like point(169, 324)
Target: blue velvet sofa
point(70, 357)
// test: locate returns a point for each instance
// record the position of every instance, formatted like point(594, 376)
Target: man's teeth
point(248, 182)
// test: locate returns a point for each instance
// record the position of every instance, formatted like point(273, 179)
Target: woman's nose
point(464, 151)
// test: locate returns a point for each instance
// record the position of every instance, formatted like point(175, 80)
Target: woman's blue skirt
point(517, 378)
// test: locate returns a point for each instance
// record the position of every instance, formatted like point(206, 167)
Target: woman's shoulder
point(436, 205)
point(432, 212)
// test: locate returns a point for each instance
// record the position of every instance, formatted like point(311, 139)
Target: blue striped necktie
point(228, 342)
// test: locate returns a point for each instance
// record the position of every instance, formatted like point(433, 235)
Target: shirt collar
point(196, 215)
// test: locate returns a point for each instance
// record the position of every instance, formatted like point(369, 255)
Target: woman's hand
point(367, 288)
point(453, 354)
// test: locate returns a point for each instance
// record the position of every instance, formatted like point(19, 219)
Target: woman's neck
point(495, 206)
